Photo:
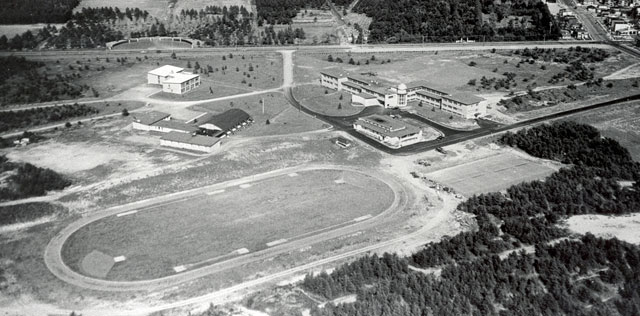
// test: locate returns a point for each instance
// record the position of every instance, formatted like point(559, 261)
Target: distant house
point(173, 79)
point(392, 132)
point(224, 123)
point(190, 142)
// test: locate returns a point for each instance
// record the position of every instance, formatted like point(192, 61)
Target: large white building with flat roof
point(173, 79)
point(368, 92)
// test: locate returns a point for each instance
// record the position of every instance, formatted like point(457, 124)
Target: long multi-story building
point(366, 92)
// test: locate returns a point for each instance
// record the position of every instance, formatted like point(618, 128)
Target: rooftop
point(180, 77)
point(177, 125)
point(148, 118)
point(465, 98)
point(387, 126)
point(335, 73)
point(191, 139)
point(425, 84)
point(429, 94)
point(226, 120)
point(166, 70)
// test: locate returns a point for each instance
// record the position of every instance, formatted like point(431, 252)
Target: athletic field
point(214, 226)
point(490, 174)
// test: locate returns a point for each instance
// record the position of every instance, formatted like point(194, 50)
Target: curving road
point(53, 252)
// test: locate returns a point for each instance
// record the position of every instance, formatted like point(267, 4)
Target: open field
point(624, 227)
point(313, 97)
point(283, 118)
point(230, 75)
point(490, 174)
point(620, 122)
point(253, 215)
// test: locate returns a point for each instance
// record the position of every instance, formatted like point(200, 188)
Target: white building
point(159, 75)
point(181, 83)
point(389, 131)
point(190, 142)
point(173, 79)
point(366, 92)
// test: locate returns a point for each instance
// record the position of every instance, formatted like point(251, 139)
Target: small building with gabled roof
point(224, 123)
point(144, 121)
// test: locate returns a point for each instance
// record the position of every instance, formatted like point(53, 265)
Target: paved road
point(53, 252)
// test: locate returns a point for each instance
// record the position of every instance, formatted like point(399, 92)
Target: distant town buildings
point(367, 92)
point(387, 130)
point(173, 79)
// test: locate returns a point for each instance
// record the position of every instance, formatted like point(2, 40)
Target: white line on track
point(215, 192)
point(362, 218)
point(246, 185)
point(276, 242)
point(127, 213)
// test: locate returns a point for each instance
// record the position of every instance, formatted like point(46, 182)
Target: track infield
point(206, 228)
point(491, 174)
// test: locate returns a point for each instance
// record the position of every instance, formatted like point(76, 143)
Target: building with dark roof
point(389, 131)
point(190, 142)
point(224, 123)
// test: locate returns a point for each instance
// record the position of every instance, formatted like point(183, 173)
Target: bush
point(125, 112)
point(472, 64)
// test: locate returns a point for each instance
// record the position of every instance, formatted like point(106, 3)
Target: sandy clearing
point(71, 158)
point(632, 71)
point(624, 227)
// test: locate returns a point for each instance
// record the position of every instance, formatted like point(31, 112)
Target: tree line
point(27, 180)
point(23, 119)
point(22, 82)
point(446, 21)
point(568, 277)
point(36, 11)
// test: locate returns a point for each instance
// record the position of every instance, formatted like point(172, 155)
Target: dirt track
point(54, 262)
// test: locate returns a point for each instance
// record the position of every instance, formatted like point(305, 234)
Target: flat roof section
point(166, 70)
point(198, 140)
point(387, 126)
point(180, 77)
point(334, 73)
point(465, 98)
point(148, 118)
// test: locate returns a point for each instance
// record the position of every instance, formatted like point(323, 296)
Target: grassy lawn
point(313, 96)
point(283, 118)
point(230, 75)
point(114, 72)
point(154, 240)
point(620, 122)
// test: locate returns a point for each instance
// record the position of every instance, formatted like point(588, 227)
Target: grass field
point(490, 174)
point(620, 122)
point(157, 239)
point(624, 227)
point(313, 96)
point(231, 75)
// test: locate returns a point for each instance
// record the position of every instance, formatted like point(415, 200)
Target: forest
point(282, 11)
point(36, 11)
point(447, 21)
point(22, 82)
point(23, 119)
point(565, 275)
point(26, 180)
